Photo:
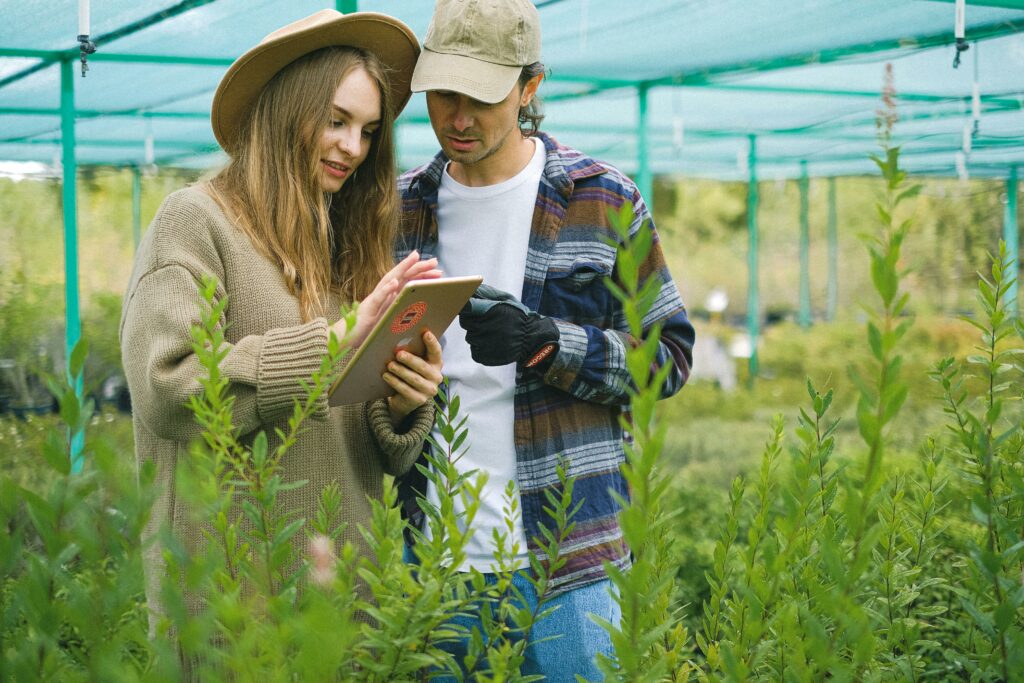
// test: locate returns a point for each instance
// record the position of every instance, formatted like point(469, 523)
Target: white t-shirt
point(486, 231)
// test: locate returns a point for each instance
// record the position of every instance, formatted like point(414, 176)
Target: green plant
point(396, 617)
point(989, 448)
point(71, 604)
point(650, 642)
point(830, 576)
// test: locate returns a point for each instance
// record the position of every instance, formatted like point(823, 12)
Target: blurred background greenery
point(702, 223)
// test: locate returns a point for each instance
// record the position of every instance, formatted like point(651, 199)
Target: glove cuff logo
point(545, 351)
point(408, 318)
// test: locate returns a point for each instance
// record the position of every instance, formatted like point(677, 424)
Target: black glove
point(501, 330)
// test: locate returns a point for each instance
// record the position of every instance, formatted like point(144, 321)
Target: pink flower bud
point(321, 552)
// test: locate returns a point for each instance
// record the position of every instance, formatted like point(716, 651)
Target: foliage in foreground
point(827, 565)
point(247, 607)
point(854, 569)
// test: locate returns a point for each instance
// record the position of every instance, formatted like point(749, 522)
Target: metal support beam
point(805, 249)
point(643, 168)
point(69, 196)
point(1011, 233)
point(136, 206)
point(753, 298)
point(106, 38)
point(832, 294)
point(979, 32)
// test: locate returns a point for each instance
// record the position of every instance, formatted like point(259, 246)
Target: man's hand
point(501, 330)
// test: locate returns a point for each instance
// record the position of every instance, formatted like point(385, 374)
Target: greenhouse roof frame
point(741, 82)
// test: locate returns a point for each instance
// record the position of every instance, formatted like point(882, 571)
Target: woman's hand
point(373, 306)
point(414, 379)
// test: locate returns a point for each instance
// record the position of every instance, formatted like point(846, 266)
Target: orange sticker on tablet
point(408, 318)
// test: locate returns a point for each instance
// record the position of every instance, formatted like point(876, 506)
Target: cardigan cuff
point(401, 449)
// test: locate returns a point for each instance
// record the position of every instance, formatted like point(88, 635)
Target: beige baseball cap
point(478, 47)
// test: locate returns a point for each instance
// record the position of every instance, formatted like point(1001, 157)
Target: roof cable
point(149, 153)
point(677, 124)
point(975, 94)
point(961, 167)
point(85, 46)
point(961, 41)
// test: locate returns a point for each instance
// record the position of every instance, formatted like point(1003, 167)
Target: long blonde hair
point(324, 243)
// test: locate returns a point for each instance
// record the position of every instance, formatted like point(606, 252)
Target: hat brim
point(484, 81)
point(393, 43)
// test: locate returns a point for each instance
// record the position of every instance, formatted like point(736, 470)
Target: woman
point(299, 222)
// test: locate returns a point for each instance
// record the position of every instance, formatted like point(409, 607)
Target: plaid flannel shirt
point(570, 413)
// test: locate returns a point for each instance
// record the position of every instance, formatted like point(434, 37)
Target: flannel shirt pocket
point(578, 294)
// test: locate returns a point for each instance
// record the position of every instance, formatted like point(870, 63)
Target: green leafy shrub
point(859, 568)
point(246, 607)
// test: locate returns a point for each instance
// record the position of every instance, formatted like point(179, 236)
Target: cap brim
point(483, 81)
point(392, 41)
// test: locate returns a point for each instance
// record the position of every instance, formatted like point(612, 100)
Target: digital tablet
point(421, 305)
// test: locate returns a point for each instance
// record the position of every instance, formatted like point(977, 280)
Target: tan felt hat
point(389, 39)
point(478, 47)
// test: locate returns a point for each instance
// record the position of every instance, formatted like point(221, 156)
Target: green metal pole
point(805, 250)
point(136, 206)
point(643, 170)
point(347, 6)
point(832, 298)
point(753, 304)
point(72, 316)
point(1011, 237)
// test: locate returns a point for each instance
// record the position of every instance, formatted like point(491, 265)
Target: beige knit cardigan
point(270, 350)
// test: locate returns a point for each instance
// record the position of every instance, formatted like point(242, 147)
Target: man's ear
point(530, 91)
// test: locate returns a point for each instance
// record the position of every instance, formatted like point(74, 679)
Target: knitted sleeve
point(265, 371)
point(163, 305)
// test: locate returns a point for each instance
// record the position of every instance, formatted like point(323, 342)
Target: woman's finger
point(415, 372)
point(424, 270)
point(376, 303)
point(433, 347)
point(381, 292)
point(431, 274)
point(402, 266)
point(407, 397)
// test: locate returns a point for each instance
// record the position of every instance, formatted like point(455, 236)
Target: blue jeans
point(570, 640)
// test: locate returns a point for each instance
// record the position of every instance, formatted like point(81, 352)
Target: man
point(542, 381)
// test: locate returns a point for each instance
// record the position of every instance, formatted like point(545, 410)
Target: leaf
point(983, 621)
point(283, 535)
point(259, 450)
point(1005, 615)
point(894, 401)
point(909, 193)
point(77, 361)
point(875, 340)
point(868, 426)
point(55, 451)
point(461, 437)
